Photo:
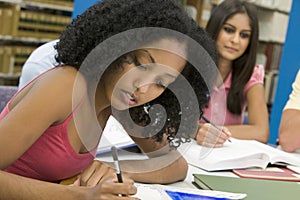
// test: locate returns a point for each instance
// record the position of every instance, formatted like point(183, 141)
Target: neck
point(101, 100)
point(225, 67)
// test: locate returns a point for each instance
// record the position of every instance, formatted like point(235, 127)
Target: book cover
point(270, 173)
point(254, 188)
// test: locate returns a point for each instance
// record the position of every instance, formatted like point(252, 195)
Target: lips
point(129, 98)
point(231, 49)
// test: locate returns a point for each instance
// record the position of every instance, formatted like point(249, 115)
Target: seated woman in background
point(234, 26)
point(117, 55)
point(289, 134)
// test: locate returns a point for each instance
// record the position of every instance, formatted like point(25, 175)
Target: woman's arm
point(289, 134)
point(160, 166)
point(37, 107)
point(258, 122)
point(164, 169)
point(289, 137)
point(21, 188)
point(32, 111)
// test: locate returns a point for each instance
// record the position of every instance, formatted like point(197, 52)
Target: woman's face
point(134, 85)
point(234, 37)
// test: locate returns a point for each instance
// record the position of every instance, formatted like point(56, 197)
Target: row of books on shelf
point(280, 5)
point(283, 6)
point(270, 85)
point(272, 25)
point(67, 3)
point(30, 23)
point(199, 10)
point(272, 52)
point(12, 58)
point(37, 24)
point(9, 16)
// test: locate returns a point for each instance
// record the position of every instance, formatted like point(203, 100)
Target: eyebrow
point(150, 56)
point(170, 75)
point(235, 27)
point(153, 61)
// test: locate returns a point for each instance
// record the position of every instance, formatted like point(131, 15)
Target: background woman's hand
point(210, 136)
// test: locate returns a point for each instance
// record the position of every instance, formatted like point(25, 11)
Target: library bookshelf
point(25, 25)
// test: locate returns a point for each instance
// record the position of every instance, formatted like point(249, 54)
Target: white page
point(114, 135)
point(277, 155)
point(234, 155)
point(237, 154)
point(158, 192)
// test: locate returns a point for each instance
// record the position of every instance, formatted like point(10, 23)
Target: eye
point(245, 35)
point(228, 30)
point(142, 67)
point(160, 84)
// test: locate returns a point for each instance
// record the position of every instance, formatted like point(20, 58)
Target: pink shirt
point(217, 110)
point(51, 157)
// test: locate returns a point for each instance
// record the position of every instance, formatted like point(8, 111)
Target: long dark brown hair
point(242, 67)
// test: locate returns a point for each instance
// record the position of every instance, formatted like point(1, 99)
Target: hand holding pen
point(117, 166)
point(212, 137)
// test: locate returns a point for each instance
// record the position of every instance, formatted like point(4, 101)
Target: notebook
point(254, 188)
point(270, 173)
point(236, 154)
point(167, 192)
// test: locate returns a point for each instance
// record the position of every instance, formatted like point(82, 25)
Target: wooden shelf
point(24, 39)
point(11, 1)
point(46, 5)
point(25, 25)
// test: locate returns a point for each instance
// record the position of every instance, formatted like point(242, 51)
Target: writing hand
point(211, 136)
point(95, 172)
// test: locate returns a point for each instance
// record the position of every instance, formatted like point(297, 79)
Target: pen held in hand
point(207, 121)
point(116, 163)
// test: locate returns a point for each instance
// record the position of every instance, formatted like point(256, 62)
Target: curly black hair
point(108, 18)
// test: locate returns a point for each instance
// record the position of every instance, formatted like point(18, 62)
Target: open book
point(114, 135)
point(236, 155)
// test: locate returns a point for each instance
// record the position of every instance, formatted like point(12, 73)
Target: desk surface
point(187, 183)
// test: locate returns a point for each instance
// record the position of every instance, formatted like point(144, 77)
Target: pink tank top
point(51, 157)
